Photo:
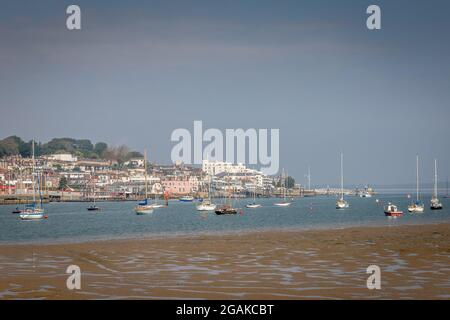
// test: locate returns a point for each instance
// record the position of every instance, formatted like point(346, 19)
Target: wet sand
point(319, 264)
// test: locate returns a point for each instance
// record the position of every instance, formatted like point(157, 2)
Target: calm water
point(69, 222)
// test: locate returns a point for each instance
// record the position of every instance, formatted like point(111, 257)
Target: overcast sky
point(135, 72)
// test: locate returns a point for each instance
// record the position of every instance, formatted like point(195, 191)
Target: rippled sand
point(331, 264)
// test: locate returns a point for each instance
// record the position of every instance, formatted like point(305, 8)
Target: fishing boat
point(283, 203)
point(341, 203)
point(227, 208)
point(391, 210)
point(207, 204)
point(34, 211)
point(143, 206)
point(93, 206)
point(417, 206)
point(435, 203)
point(186, 199)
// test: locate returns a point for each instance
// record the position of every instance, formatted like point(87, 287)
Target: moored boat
point(34, 211)
point(283, 203)
point(417, 206)
point(341, 203)
point(186, 199)
point(435, 203)
point(143, 206)
point(391, 210)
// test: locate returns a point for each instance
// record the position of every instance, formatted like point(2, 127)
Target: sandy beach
point(319, 264)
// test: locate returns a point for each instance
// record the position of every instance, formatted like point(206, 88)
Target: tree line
point(82, 148)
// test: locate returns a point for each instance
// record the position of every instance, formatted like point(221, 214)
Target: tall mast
point(435, 178)
point(32, 175)
point(417, 177)
point(342, 174)
point(145, 173)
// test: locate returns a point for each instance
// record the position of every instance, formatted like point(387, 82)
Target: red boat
point(391, 211)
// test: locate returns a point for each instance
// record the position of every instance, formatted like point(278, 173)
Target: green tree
point(62, 183)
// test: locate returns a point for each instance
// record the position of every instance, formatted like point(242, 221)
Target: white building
point(66, 157)
point(213, 168)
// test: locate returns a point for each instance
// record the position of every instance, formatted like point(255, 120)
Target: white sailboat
point(284, 203)
point(254, 204)
point(93, 206)
point(144, 207)
point(34, 211)
point(435, 204)
point(341, 203)
point(417, 206)
point(207, 204)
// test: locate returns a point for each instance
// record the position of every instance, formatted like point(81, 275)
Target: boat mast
point(435, 178)
point(33, 173)
point(417, 177)
point(145, 173)
point(342, 176)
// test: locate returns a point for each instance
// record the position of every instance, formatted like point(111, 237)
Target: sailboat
point(34, 211)
point(227, 208)
point(93, 206)
point(417, 206)
point(284, 203)
point(253, 205)
point(143, 206)
point(435, 204)
point(207, 204)
point(341, 203)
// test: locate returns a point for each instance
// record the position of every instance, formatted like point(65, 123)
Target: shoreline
point(309, 264)
point(210, 233)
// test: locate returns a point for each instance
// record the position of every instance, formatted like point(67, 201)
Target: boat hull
point(32, 215)
point(282, 204)
point(253, 206)
point(210, 207)
point(141, 210)
point(393, 214)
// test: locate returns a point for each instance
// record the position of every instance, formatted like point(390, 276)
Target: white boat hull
point(282, 204)
point(341, 204)
point(32, 215)
point(206, 207)
point(253, 205)
point(416, 209)
point(140, 210)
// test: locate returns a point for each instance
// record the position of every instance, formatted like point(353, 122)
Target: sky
point(137, 71)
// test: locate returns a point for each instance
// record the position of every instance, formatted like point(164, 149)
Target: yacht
point(283, 203)
point(417, 206)
point(34, 211)
point(143, 206)
point(435, 203)
point(341, 203)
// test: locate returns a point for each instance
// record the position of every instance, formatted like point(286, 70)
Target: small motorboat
point(186, 199)
point(253, 205)
point(93, 208)
point(17, 210)
point(226, 210)
point(391, 210)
